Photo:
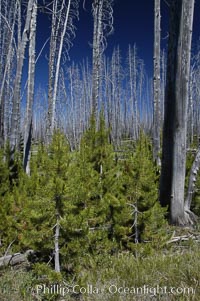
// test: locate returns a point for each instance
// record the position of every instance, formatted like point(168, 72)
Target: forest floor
point(144, 274)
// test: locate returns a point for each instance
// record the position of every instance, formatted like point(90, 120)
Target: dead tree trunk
point(132, 62)
point(30, 92)
point(176, 105)
point(57, 69)
point(163, 82)
point(191, 111)
point(62, 30)
point(15, 119)
point(156, 84)
point(136, 117)
point(56, 245)
point(103, 26)
point(52, 57)
point(7, 28)
point(192, 181)
point(96, 57)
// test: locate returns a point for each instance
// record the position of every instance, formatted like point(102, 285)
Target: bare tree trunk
point(8, 93)
point(190, 112)
point(156, 84)
point(55, 88)
point(131, 84)
point(30, 92)
point(7, 32)
point(15, 119)
point(136, 119)
point(142, 104)
point(163, 80)
point(176, 105)
point(103, 25)
point(115, 74)
point(132, 62)
point(72, 111)
point(52, 56)
point(56, 243)
point(62, 31)
point(192, 180)
point(8, 59)
point(96, 57)
point(87, 93)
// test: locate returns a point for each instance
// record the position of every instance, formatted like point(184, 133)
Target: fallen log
point(184, 238)
point(14, 259)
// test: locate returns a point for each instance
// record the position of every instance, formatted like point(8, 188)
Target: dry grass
point(177, 267)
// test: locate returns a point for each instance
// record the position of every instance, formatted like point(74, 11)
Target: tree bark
point(7, 23)
point(56, 243)
point(156, 84)
point(96, 56)
point(15, 118)
point(30, 92)
point(52, 57)
point(192, 180)
point(176, 105)
point(103, 25)
point(57, 70)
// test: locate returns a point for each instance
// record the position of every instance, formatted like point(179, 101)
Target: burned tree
point(8, 21)
point(103, 26)
point(156, 84)
point(30, 91)
point(62, 32)
point(22, 42)
point(175, 118)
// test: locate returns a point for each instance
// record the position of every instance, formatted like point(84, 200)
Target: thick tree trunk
point(156, 84)
point(176, 105)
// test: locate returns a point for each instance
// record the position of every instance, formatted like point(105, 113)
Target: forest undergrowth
point(94, 214)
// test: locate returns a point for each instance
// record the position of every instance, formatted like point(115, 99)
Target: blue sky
point(133, 23)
